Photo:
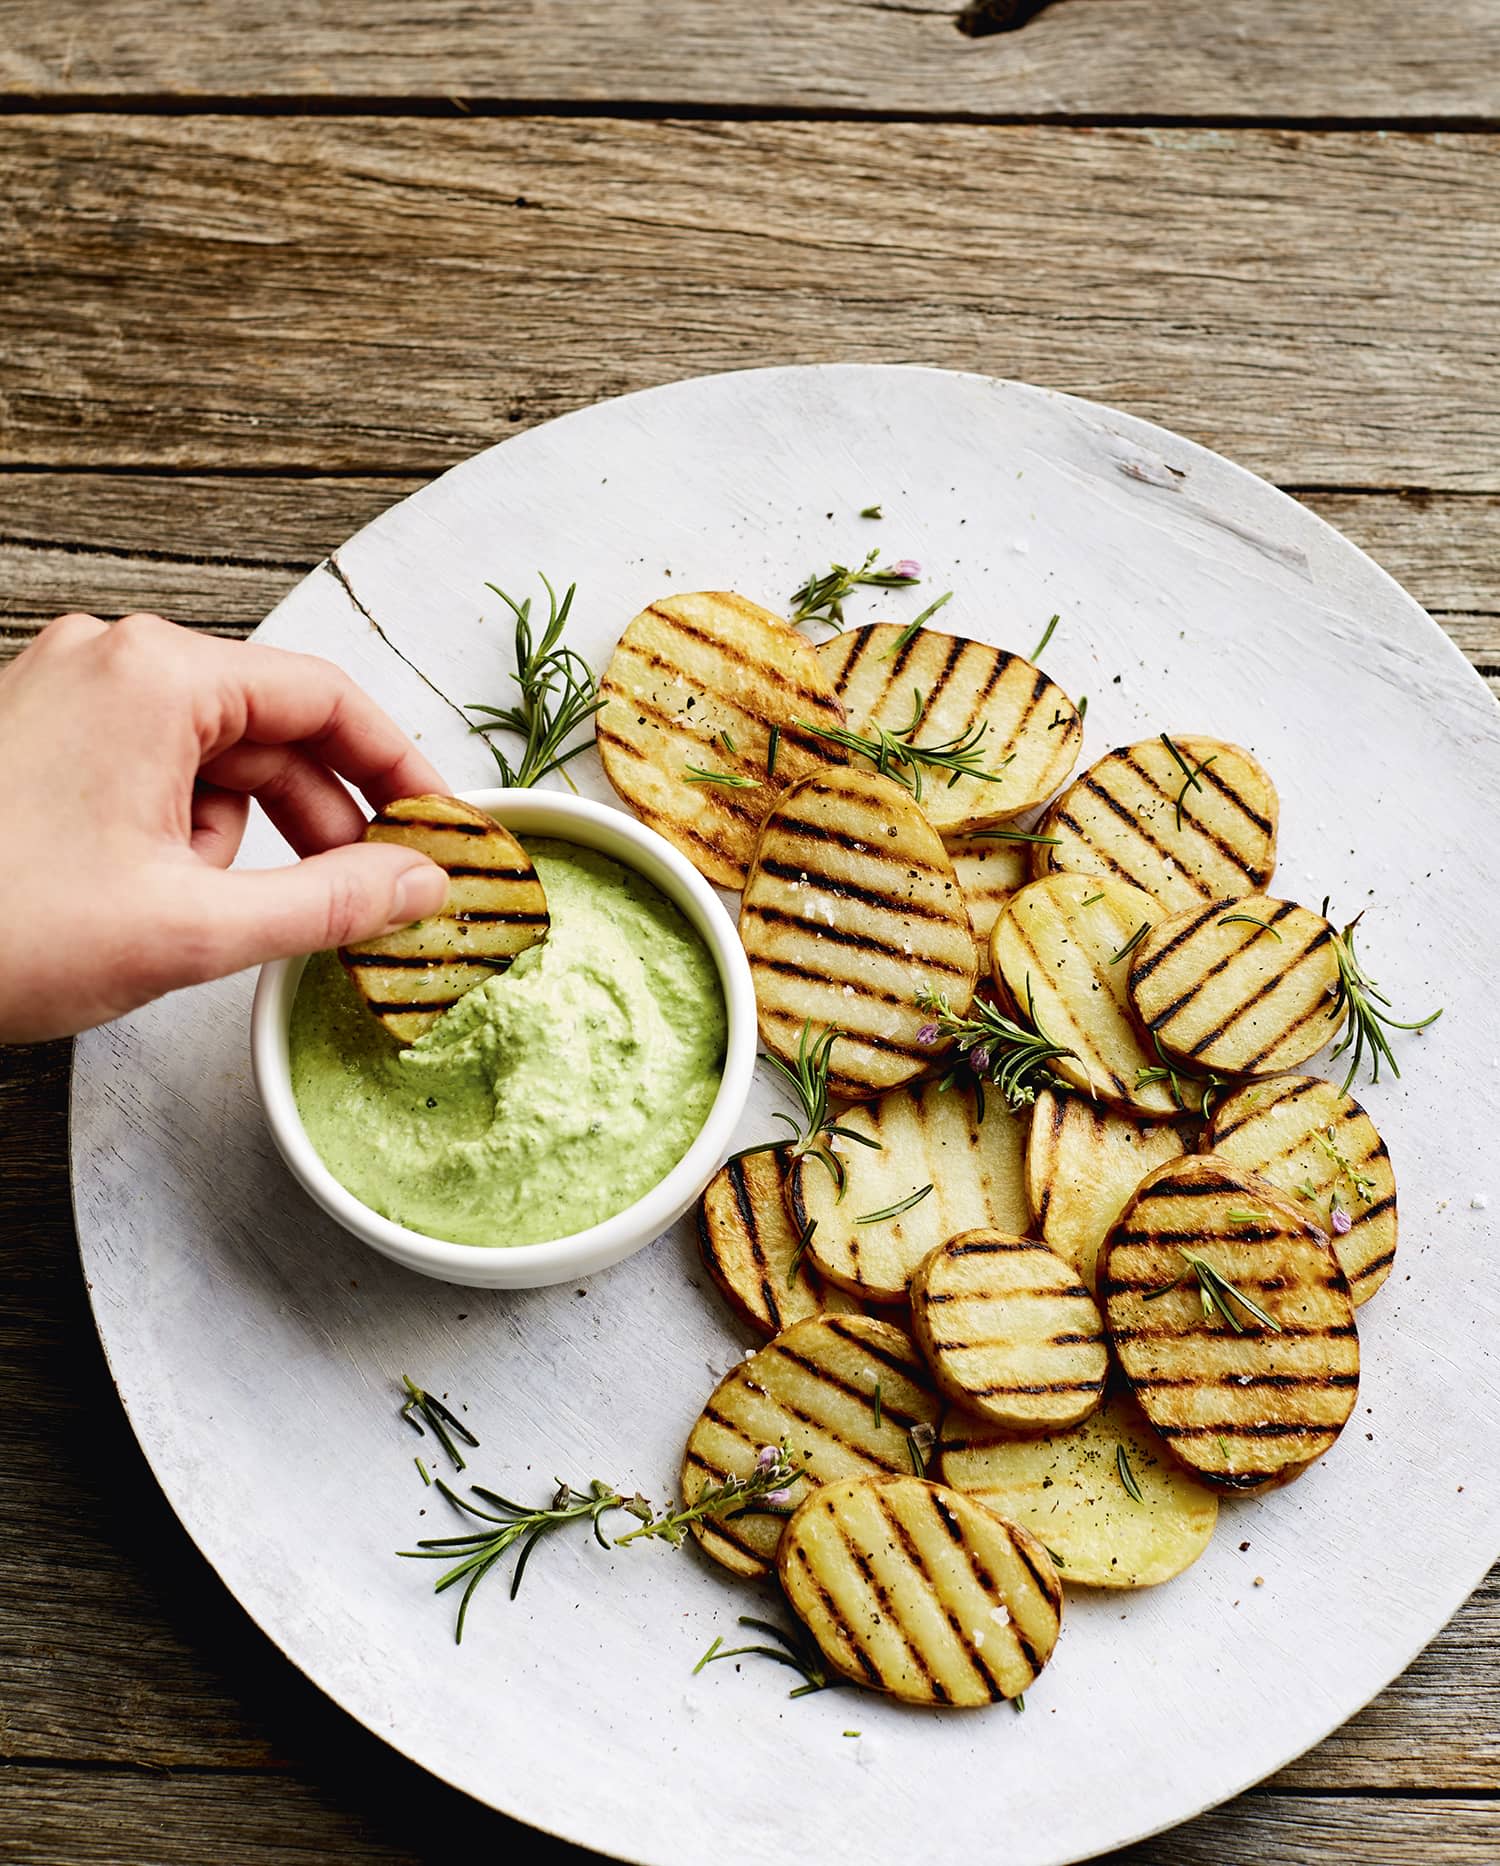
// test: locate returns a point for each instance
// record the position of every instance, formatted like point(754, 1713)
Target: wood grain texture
point(324, 294)
point(1134, 58)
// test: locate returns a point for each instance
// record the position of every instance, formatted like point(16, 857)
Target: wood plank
point(323, 294)
point(217, 553)
point(259, 1820)
point(1235, 58)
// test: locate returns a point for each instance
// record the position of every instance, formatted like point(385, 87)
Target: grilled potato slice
point(1243, 986)
point(1240, 1409)
point(1069, 1490)
point(495, 909)
point(1120, 819)
point(1059, 952)
point(750, 1247)
point(1083, 1161)
point(842, 1391)
point(850, 908)
point(1009, 1331)
point(929, 1136)
point(703, 681)
point(1322, 1151)
point(1031, 729)
point(914, 1589)
point(990, 869)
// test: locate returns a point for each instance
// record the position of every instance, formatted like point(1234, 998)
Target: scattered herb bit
point(729, 779)
point(1357, 992)
point(1018, 1702)
point(920, 1440)
point(821, 598)
point(894, 1211)
point(772, 747)
point(1224, 1449)
point(1017, 1059)
point(791, 1649)
point(875, 1404)
point(809, 1083)
point(1364, 1186)
point(897, 754)
point(914, 627)
point(474, 1554)
point(558, 694)
point(1056, 1559)
point(1250, 920)
point(1210, 1085)
point(1083, 709)
point(1192, 776)
point(1307, 1191)
point(1040, 648)
point(1127, 1476)
point(1130, 945)
point(871, 511)
point(728, 744)
point(422, 1471)
point(853, 1733)
point(794, 1269)
point(1014, 835)
point(1238, 1216)
point(1091, 899)
point(421, 1408)
point(1216, 1292)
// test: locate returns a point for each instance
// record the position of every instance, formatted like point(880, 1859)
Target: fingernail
point(422, 890)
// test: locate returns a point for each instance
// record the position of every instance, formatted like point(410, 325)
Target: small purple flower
point(980, 1059)
point(1343, 1224)
point(768, 1457)
point(907, 567)
point(777, 1499)
point(927, 1034)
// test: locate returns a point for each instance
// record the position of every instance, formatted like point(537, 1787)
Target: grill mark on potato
point(1202, 977)
point(826, 1377)
point(911, 1369)
point(1092, 1060)
point(1029, 1387)
point(444, 826)
point(1264, 990)
point(1143, 968)
point(1374, 1266)
point(729, 651)
point(1233, 1428)
point(956, 649)
point(1128, 758)
point(1320, 1007)
point(916, 1660)
point(1223, 1130)
point(911, 865)
point(1063, 820)
point(842, 936)
point(913, 1554)
point(852, 890)
point(1290, 1331)
point(791, 968)
point(1377, 1210)
point(1127, 816)
point(1210, 775)
point(852, 1640)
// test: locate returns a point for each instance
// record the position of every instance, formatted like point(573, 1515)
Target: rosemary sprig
point(1190, 774)
point(1017, 1059)
point(1127, 1476)
point(1364, 1186)
point(821, 598)
point(696, 774)
point(809, 1083)
point(1040, 648)
point(558, 694)
point(1357, 993)
point(1209, 1084)
point(895, 1211)
point(792, 1650)
point(897, 754)
point(475, 1553)
point(1013, 835)
point(914, 627)
point(1216, 1292)
point(1130, 945)
point(1250, 920)
point(426, 1409)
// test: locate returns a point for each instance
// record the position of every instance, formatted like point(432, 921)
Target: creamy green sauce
point(551, 1096)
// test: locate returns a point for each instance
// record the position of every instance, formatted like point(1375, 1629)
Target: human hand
point(129, 753)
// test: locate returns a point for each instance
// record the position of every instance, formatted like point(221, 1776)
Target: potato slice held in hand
point(1232, 1322)
point(1061, 952)
point(1083, 1162)
point(917, 1590)
point(941, 690)
point(1321, 1150)
point(698, 689)
point(1137, 816)
point(1009, 1331)
point(752, 1250)
point(872, 1238)
point(851, 909)
point(842, 1392)
point(496, 908)
point(1073, 1491)
point(1243, 986)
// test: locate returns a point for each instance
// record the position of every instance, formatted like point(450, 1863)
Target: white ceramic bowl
point(527, 1266)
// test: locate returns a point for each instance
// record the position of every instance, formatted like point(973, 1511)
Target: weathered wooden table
point(267, 267)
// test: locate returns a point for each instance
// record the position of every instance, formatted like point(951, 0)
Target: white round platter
point(257, 1347)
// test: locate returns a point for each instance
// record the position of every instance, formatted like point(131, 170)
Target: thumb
point(351, 893)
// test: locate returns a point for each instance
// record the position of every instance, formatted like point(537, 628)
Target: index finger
point(290, 698)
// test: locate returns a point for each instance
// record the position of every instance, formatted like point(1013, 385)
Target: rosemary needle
point(1191, 775)
point(895, 1211)
point(1130, 945)
point(729, 779)
point(798, 1653)
point(1265, 926)
point(1127, 1476)
point(424, 1410)
point(914, 627)
point(1041, 646)
point(1013, 835)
